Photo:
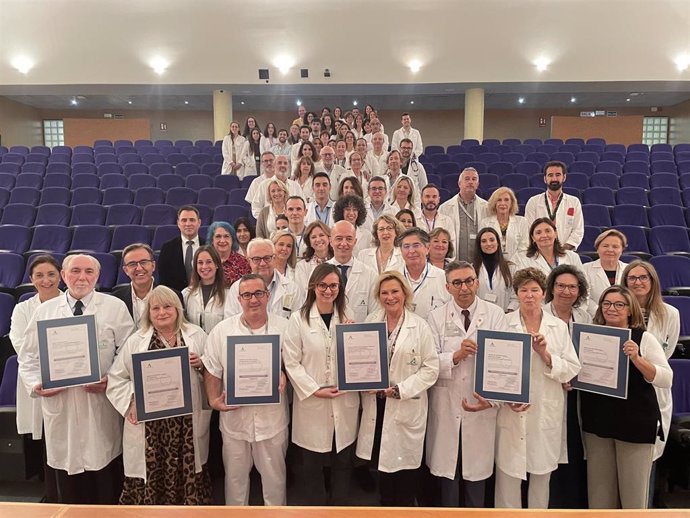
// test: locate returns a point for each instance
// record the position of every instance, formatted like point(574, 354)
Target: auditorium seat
point(85, 180)
point(148, 196)
point(109, 270)
point(644, 148)
point(446, 168)
point(106, 158)
point(29, 180)
point(123, 214)
point(639, 180)
point(138, 181)
point(9, 168)
point(525, 149)
point(514, 181)
point(500, 168)
point(114, 195)
point(33, 167)
point(538, 157)
point(57, 180)
point(528, 168)
point(6, 308)
point(211, 170)
point(613, 156)
point(523, 195)
point(163, 233)
point(669, 239)
point(178, 196)
point(124, 235)
point(665, 148)
point(212, 197)
point(53, 214)
point(630, 214)
point(674, 272)
point(88, 214)
point(169, 181)
point(587, 156)
point(84, 168)
point(230, 213)
point(597, 215)
point(608, 180)
point(15, 238)
point(196, 182)
point(90, 238)
point(150, 159)
point(599, 195)
point(128, 158)
point(13, 158)
point(133, 168)
point(663, 195)
point(175, 159)
point(577, 180)
point(158, 214)
point(590, 235)
point(632, 195)
point(11, 269)
point(586, 168)
point(513, 157)
point(112, 180)
point(22, 214)
point(511, 142)
point(637, 240)
point(554, 141)
point(50, 238)
point(159, 169)
point(85, 195)
point(662, 180)
point(7, 180)
point(200, 159)
point(664, 166)
point(564, 156)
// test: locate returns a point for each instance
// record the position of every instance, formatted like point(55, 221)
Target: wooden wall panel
point(625, 129)
point(83, 132)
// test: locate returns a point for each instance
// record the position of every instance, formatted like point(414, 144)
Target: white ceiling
point(600, 52)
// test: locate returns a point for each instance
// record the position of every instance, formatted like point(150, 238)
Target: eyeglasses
point(458, 283)
point(564, 287)
point(145, 263)
point(259, 294)
point(411, 246)
point(607, 304)
point(632, 279)
point(386, 229)
point(377, 189)
point(257, 260)
point(322, 286)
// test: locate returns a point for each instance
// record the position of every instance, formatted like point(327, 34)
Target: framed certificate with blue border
point(362, 356)
point(604, 364)
point(502, 366)
point(162, 383)
point(252, 372)
point(68, 352)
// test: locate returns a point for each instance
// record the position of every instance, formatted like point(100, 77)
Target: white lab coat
point(451, 209)
point(667, 334)
point(267, 143)
point(364, 240)
point(309, 354)
point(387, 209)
point(121, 391)
point(286, 297)
point(413, 135)
point(395, 263)
point(517, 235)
point(440, 221)
point(414, 369)
point(377, 164)
point(538, 261)
point(431, 293)
point(29, 413)
point(250, 423)
point(455, 382)
point(531, 441)
point(83, 430)
point(310, 215)
point(598, 281)
point(304, 269)
point(497, 292)
point(260, 199)
point(570, 222)
point(359, 292)
point(368, 137)
point(417, 172)
point(241, 151)
point(205, 317)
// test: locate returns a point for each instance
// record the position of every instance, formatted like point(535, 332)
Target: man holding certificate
point(83, 430)
point(253, 435)
point(462, 425)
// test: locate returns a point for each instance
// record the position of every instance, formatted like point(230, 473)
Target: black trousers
point(314, 480)
point(91, 487)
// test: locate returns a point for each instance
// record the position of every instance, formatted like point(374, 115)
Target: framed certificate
point(502, 367)
point(162, 383)
point(253, 370)
point(362, 356)
point(68, 351)
point(604, 364)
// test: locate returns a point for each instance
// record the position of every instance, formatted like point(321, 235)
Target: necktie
point(189, 253)
point(466, 314)
point(78, 308)
point(343, 272)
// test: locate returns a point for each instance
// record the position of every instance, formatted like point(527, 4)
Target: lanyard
point(552, 215)
point(426, 272)
point(393, 336)
point(319, 214)
point(433, 222)
point(551, 267)
point(465, 210)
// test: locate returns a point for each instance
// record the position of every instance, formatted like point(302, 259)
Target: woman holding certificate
point(528, 437)
point(324, 422)
point(620, 433)
point(545, 251)
point(393, 422)
point(206, 296)
point(165, 460)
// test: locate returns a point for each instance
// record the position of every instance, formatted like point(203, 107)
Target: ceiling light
point(159, 64)
point(241, 102)
point(354, 103)
point(682, 63)
point(627, 100)
point(411, 102)
point(541, 63)
point(572, 100)
point(521, 100)
point(129, 102)
point(299, 102)
point(22, 64)
point(284, 64)
point(415, 66)
point(73, 101)
point(186, 102)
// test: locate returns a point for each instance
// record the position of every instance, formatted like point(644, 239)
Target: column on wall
point(474, 114)
point(222, 113)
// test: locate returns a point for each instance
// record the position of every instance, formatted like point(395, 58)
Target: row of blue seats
point(646, 242)
point(109, 150)
point(125, 158)
point(154, 168)
point(158, 144)
point(638, 215)
point(593, 144)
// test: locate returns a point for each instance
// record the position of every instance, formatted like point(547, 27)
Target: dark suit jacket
point(124, 293)
point(170, 264)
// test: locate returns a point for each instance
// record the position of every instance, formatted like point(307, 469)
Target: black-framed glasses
point(459, 283)
point(632, 279)
point(257, 260)
point(322, 286)
point(607, 304)
point(259, 294)
point(144, 263)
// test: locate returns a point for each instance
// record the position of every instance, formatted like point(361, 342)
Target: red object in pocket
point(571, 211)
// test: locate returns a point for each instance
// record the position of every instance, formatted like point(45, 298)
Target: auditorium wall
point(20, 124)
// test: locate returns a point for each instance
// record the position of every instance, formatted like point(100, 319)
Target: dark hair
point(356, 185)
point(532, 248)
point(529, 274)
point(251, 277)
point(458, 265)
point(218, 287)
point(409, 213)
point(321, 174)
point(430, 186)
point(499, 260)
point(246, 131)
point(319, 274)
point(296, 197)
point(254, 145)
point(314, 154)
point(582, 285)
point(309, 252)
point(296, 172)
point(281, 216)
point(188, 207)
point(137, 246)
point(43, 259)
point(275, 131)
point(247, 223)
point(350, 200)
point(556, 163)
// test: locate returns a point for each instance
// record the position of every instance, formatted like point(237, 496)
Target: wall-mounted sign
point(119, 116)
point(542, 122)
point(612, 114)
point(586, 114)
point(164, 126)
point(107, 115)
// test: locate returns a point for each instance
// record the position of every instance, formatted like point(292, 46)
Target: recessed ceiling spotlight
point(521, 100)
point(22, 64)
point(159, 64)
point(299, 102)
point(542, 64)
point(186, 102)
point(573, 100)
point(411, 102)
point(354, 103)
point(73, 101)
point(627, 100)
point(242, 102)
point(415, 66)
point(129, 102)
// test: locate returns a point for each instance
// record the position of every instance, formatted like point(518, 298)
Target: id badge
point(490, 297)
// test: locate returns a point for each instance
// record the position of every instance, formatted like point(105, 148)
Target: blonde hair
point(279, 183)
point(608, 233)
point(636, 318)
point(163, 295)
point(491, 207)
point(292, 260)
point(654, 305)
point(397, 226)
point(392, 275)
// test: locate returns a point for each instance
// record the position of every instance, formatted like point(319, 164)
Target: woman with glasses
point(286, 256)
point(619, 434)
point(317, 238)
point(529, 436)
point(661, 320)
point(206, 297)
point(165, 459)
point(545, 251)
point(495, 272)
point(384, 255)
point(324, 422)
point(222, 237)
point(566, 299)
point(393, 423)
point(607, 270)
